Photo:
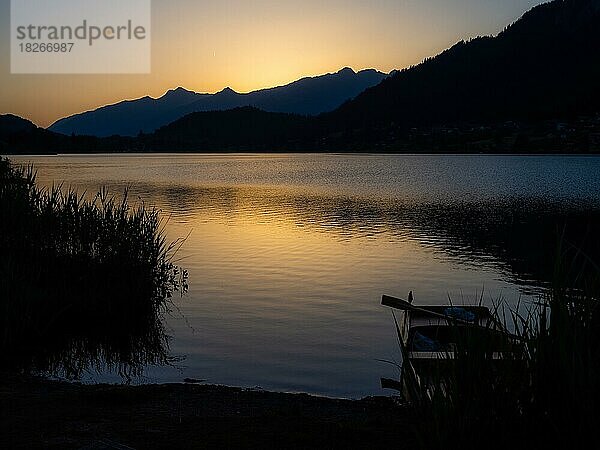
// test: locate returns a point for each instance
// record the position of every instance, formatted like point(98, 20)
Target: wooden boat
point(429, 337)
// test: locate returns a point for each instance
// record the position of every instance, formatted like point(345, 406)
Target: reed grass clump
point(542, 393)
point(84, 284)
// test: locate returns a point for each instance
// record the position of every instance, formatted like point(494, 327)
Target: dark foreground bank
point(42, 414)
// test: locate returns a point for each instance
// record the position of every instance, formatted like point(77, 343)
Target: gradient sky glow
point(206, 45)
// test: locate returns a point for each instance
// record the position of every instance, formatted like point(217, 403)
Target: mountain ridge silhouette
point(543, 65)
point(306, 96)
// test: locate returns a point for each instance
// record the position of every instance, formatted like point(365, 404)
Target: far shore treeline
point(532, 88)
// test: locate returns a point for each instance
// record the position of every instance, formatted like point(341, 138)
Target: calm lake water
point(289, 255)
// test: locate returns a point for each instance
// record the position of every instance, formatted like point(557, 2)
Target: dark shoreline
point(284, 152)
point(202, 133)
point(37, 413)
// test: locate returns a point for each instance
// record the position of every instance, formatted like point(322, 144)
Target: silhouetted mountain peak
point(227, 91)
point(347, 71)
point(178, 97)
point(22, 135)
point(9, 123)
point(177, 92)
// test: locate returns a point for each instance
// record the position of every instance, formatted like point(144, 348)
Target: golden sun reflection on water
point(288, 255)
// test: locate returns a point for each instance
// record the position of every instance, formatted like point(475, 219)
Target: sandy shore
point(43, 414)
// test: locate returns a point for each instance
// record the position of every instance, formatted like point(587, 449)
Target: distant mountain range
point(532, 88)
point(308, 96)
